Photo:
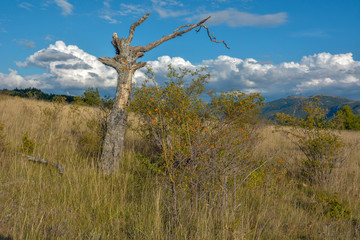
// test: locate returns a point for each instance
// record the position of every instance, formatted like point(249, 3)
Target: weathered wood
point(125, 64)
point(40, 160)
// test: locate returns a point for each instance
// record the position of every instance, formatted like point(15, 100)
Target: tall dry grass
point(36, 202)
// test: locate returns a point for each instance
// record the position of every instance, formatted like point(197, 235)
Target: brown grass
point(36, 202)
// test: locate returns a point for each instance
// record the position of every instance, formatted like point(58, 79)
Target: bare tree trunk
point(125, 64)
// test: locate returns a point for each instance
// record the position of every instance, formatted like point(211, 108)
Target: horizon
point(104, 96)
point(278, 48)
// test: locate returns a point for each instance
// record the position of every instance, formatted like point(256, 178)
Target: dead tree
point(125, 64)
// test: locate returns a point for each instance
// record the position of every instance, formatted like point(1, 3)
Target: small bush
point(3, 143)
point(346, 119)
point(91, 97)
point(333, 207)
point(322, 147)
point(28, 145)
point(201, 150)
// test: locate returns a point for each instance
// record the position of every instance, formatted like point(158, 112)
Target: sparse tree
point(125, 64)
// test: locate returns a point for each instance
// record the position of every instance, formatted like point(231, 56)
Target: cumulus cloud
point(321, 73)
point(70, 67)
point(14, 80)
point(65, 6)
point(234, 18)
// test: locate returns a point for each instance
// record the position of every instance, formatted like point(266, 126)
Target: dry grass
point(36, 202)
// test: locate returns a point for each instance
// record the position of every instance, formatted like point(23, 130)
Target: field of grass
point(36, 202)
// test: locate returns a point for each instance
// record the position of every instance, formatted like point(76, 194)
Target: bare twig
point(212, 37)
point(254, 171)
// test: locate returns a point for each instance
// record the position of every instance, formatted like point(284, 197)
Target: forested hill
point(293, 105)
point(35, 94)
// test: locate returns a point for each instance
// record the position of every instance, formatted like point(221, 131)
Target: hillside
point(293, 105)
point(272, 202)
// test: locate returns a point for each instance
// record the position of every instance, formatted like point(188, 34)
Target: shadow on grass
point(5, 238)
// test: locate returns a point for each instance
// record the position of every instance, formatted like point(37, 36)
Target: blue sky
point(278, 48)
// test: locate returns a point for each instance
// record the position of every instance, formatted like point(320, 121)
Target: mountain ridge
point(293, 105)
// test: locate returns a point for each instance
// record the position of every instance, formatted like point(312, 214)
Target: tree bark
point(125, 64)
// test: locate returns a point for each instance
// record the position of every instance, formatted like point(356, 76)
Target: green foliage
point(92, 139)
point(59, 99)
point(322, 147)
point(35, 94)
point(91, 97)
point(3, 143)
point(270, 174)
point(346, 119)
point(28, 145)
point(202, 149)
point(333, 207)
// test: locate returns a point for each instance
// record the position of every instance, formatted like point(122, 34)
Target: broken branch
point(40, 160)
point(134, 25)
point(110, 62)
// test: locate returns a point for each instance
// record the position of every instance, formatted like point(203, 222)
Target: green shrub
point(3, 143)
point(322, 147)
point(91, 97)
point(333, 207)
point(201, 150)
point(28, 145)
point(346, 119)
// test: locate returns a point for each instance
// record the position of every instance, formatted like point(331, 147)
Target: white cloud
point(167, 13)
point(110, 14)
point(14, 80)
point(25, 43)
point(163, 3)
point(48, 38)
point(109, 19)
point(71, 67)
point(65, 6)
point(26, 5)
point(163, 8)
point(234, 18)
point(321, 73)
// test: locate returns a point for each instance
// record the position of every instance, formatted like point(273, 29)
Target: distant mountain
point(35, 94)
point(293, 105)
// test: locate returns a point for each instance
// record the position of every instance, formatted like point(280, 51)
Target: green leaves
point(315, 138)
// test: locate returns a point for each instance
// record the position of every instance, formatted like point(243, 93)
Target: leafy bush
point(322, 147)
point(28, 145)
point(92, 139)
point(3, 143)
point(333, 207)
point(91, 97)
point(346, 119)
point(203, 150)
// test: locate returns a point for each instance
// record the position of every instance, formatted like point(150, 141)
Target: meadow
point(37, 202)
